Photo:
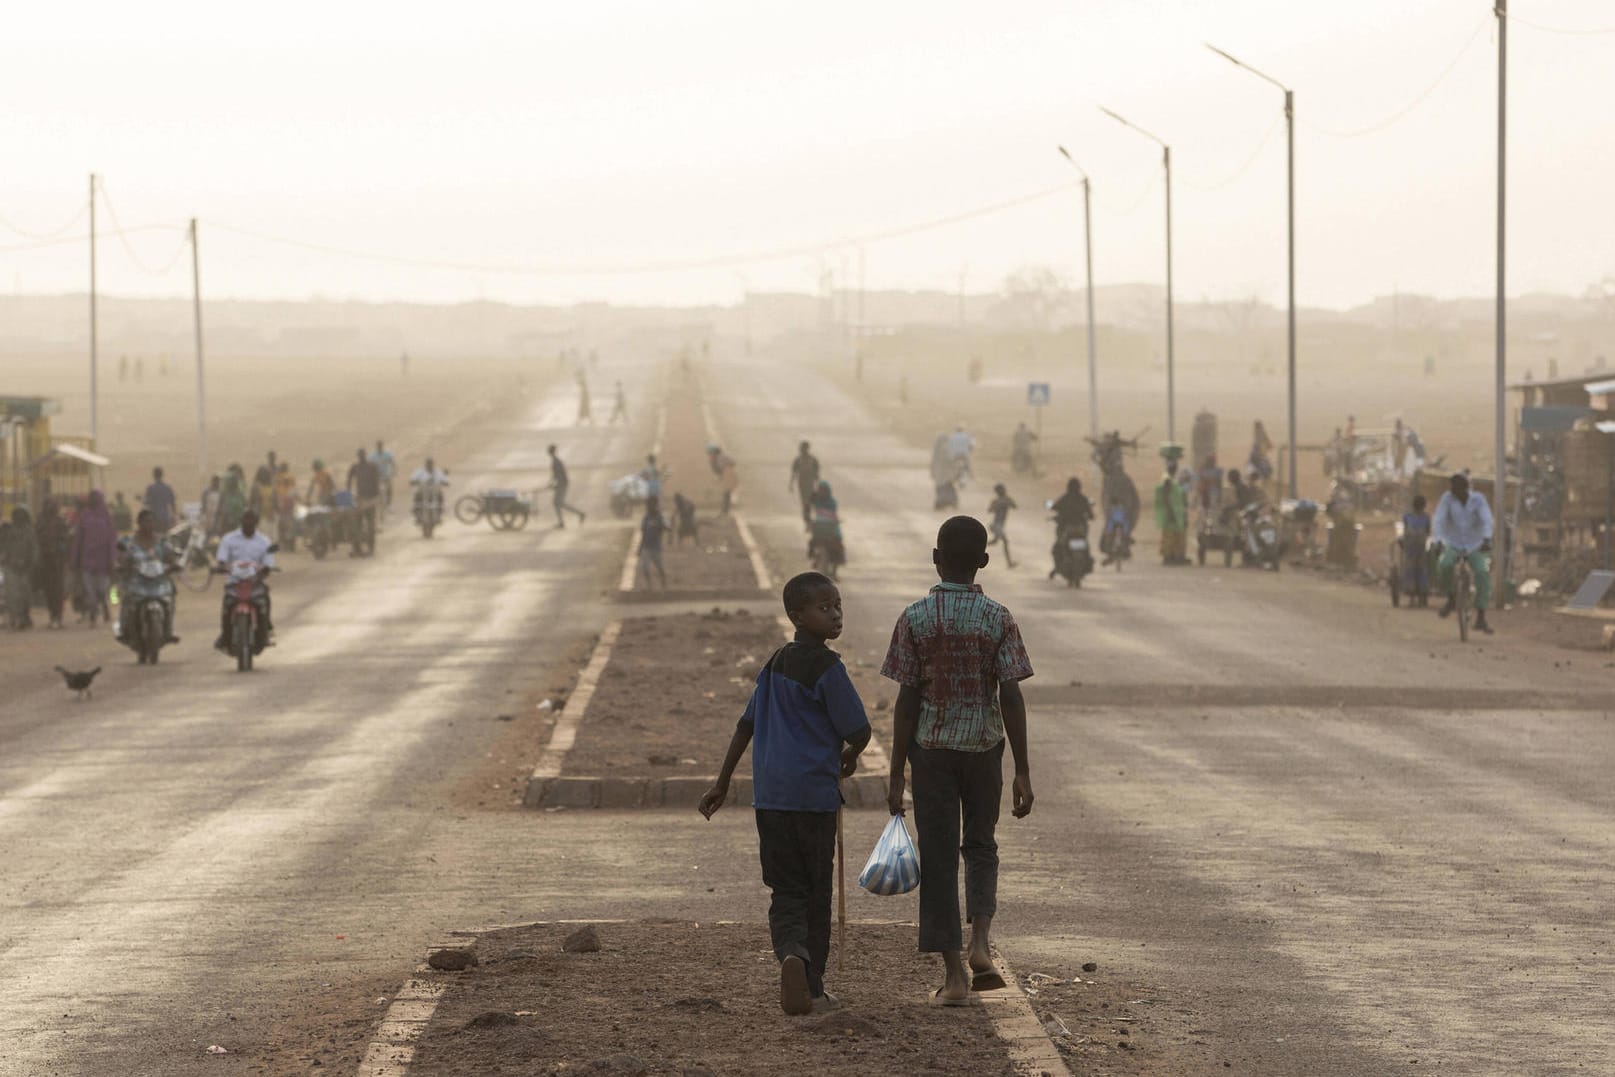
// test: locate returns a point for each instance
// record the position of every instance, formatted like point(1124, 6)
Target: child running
point(959, 659)
point(810, 728)
point(1000, 508)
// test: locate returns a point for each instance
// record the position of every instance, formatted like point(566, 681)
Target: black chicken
point(79, 682)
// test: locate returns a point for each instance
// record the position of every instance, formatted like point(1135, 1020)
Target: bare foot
point(955, 990)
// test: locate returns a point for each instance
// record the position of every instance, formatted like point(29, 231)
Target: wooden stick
point(841, 899)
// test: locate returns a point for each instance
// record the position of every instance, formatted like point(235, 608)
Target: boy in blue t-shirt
point(809, 726)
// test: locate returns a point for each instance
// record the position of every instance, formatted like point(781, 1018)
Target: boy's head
point(961, 549)
point(813, 603)
point(1419, 502)
point(1001, 490)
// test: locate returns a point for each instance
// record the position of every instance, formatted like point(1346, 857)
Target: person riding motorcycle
point(1072, 514)
point(137, 582)
point(245, 543)
point(428, 483)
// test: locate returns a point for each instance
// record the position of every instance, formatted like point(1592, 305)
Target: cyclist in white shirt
point(1463, 526)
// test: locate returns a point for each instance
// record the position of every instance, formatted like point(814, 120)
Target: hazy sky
point(622, 133)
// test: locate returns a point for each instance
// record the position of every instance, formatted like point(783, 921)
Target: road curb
point(1031, 1050)
point(547, 772)
point(862, 791)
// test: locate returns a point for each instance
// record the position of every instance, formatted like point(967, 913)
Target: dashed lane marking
point(565, 733)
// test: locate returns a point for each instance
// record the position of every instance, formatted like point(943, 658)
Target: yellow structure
point(33, 464)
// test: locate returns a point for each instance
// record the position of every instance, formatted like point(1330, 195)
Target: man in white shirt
point(1463, 526)
point(245, 543)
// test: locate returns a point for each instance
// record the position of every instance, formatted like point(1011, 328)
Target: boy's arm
point(852, 750)
point(713, 799)
point(905, 720)
point(1013, 707)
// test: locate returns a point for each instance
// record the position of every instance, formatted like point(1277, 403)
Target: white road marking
point(393, 1048)
point(565, 733)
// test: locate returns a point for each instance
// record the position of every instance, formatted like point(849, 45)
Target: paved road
point(1306, 879)
point(195, 854)
point(1332, 880)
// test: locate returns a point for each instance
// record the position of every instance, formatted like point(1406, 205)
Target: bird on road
point(79, 682)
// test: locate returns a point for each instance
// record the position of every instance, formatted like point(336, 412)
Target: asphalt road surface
point(1325, 836)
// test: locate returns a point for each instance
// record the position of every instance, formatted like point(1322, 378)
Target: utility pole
point(201, 395)
point(1087, 242)
point(1171, 384)
point(858, 344)
point(1289, 128)
point(95, 414)
point(1500, 491)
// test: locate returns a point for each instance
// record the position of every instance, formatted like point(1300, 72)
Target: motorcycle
point(1072, 558)
point(428, 506)
point(249, 619)
point(149, 598)
point(1262, 546)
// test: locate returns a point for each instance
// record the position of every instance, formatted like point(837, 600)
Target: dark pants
point(50, 581)
point(798, 851)
point(948, 785)
point(561, 505)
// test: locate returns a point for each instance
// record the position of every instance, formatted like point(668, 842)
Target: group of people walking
point(69, 553)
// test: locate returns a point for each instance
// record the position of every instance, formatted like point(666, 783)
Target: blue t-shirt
point(802, 710)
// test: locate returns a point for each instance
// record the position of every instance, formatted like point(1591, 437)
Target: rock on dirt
point(585, 940)
point(1090, 966)
point(846, 1024)
point(612, 1065)
point(452, 960)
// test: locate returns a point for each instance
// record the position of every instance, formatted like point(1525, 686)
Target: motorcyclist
point(428, 479)
point(145, 546)
point(245, 543)
point(1072, 514)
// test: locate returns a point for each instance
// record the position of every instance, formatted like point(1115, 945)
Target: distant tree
point(1032, 297)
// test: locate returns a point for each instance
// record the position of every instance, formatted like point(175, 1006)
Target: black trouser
point(948, 784)
point(806, 493)
point(260, 595)
point(798, 851)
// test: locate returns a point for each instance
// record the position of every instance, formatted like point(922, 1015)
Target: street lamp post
point(1171, 384)
point(1087, 237)
point(1289, 130)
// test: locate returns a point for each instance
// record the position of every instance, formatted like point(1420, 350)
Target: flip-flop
point(938, 1000)
point(991, 980)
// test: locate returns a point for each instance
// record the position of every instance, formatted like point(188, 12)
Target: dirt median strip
point(680, 998)
point(650, 718)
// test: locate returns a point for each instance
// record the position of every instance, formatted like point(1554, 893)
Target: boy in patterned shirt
point(959, 660)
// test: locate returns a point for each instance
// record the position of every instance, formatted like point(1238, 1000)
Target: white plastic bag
point(894, 866)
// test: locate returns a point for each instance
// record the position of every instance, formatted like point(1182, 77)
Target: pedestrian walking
point(810, 727)
point(723, 466)
point(159, 498)
point(53, 538)
point(585, 407)
point(19, 553)
point(364, 481)
point(805, 477)
point(619, 406)
point(93, 553)
point(684, 523)
point(559, 482)
point(958, 658)
point(652, 530)
point(1002, 505)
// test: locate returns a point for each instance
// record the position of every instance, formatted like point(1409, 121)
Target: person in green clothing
point(232, 499)
point(1172, 517)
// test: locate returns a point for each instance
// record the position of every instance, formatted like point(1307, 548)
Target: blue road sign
point(1037, 394)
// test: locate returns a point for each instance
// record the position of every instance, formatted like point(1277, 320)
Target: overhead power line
point(1278, 119)
point(1565, 31)
point(52, 234)
point(1396, 116)
point(84, 237)
point(128, 248)
point(677, 265)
